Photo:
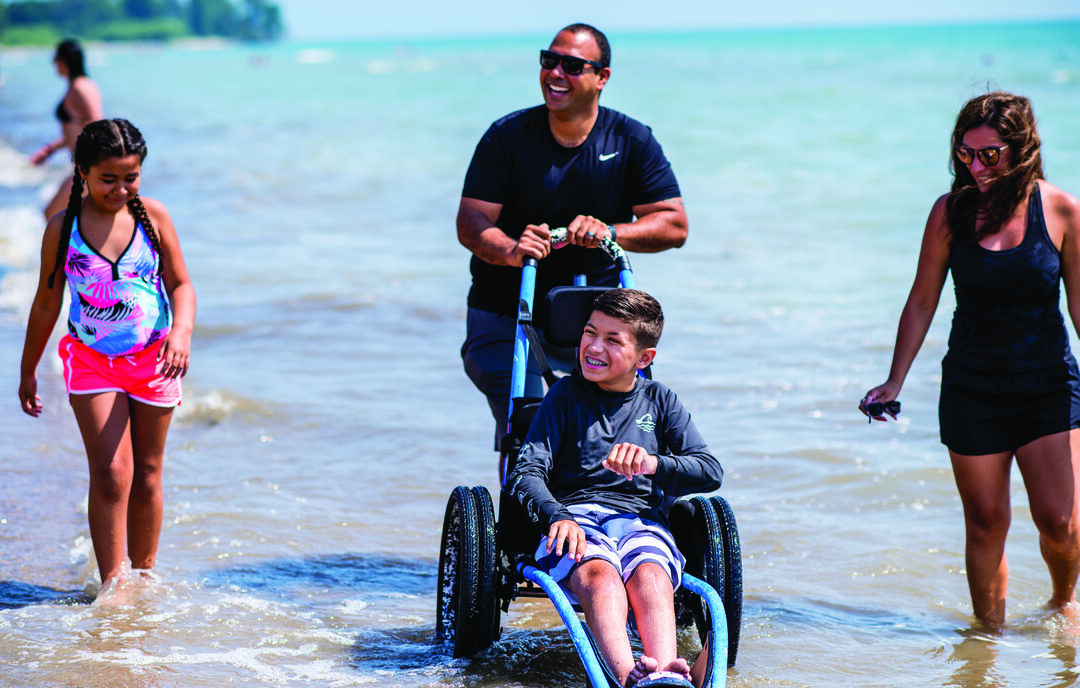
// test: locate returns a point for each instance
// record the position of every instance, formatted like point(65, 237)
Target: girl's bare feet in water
point(115, 592)
point(127, 587)
point(646, 666)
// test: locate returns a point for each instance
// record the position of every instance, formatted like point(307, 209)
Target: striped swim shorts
point(623, 540)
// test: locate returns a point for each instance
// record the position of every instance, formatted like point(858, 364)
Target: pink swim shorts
point(138, 375)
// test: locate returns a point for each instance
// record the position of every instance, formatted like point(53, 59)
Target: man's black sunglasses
point(878, 409)
point(571, 65)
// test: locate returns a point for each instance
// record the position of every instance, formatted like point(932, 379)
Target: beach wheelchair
point(485, 563)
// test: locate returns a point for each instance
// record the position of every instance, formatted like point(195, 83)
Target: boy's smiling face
point(609, 353)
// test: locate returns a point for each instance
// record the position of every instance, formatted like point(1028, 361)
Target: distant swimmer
point(1010, 388)
point(567, 163)
point(80, 105)
point(128, 343)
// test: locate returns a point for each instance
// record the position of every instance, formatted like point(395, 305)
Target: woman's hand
point(879, 395)
point(42, 154)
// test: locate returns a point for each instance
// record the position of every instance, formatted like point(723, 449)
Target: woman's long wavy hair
point(99, 141)
point(1013, 119)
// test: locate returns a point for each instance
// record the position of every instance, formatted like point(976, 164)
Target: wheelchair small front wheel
point(467, 607)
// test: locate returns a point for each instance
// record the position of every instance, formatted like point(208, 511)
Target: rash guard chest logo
point(646, 423)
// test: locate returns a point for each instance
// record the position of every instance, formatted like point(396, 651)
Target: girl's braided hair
point(101, 140)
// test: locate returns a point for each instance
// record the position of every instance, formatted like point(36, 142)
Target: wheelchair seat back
point(561, 317)
point(565, 311)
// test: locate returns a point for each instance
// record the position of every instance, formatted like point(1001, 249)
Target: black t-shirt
point(519, 164)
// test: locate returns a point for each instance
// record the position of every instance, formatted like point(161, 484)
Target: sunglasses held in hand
point(571, 66)
point(878, 409)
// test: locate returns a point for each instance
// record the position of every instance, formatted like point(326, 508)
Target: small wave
point(217, 406)
point(19, 247)
point(16, 170)
point(21, 225)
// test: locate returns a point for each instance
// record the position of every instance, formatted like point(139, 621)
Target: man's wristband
point(611, 228)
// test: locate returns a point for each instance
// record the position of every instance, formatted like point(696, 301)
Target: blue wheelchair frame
point(595, 668)
point(590, 658)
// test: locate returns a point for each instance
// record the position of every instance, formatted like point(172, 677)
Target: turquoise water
point(327, 417)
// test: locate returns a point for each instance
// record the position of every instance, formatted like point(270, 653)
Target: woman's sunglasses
point(988, 156)
point(878, 409)
point(571, 65)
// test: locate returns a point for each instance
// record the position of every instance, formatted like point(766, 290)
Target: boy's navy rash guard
point(574, 431)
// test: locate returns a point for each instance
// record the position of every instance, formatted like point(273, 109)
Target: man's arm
point(658, 227)
point(477, 232)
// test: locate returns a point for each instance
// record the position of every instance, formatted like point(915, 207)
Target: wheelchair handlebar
point(607, 245)
point(525, 298)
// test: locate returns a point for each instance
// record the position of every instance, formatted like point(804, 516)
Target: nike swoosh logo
point(609, 156)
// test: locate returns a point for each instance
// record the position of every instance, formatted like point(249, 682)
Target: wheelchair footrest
point(664, 679)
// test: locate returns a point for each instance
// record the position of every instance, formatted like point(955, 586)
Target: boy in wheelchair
point(606, 452)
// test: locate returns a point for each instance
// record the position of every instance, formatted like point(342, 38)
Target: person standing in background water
point(1009, 383)
point(80, 105)
point(130, 323)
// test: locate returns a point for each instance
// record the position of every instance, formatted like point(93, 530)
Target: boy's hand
point(630, 460)
point(570, 532)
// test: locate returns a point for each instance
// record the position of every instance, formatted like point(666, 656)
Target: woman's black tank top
point(1008, 316)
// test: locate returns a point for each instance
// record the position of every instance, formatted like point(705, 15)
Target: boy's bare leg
point(652, 598)
point(599, 589)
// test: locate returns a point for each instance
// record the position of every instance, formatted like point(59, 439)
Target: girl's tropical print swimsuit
point(117, 308)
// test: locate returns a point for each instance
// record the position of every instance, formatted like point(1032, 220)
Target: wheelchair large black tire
point(488, 601)
point(732, 594)
point(708, 537)
point(467, 607)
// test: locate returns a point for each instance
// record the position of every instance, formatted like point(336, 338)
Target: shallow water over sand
point(326, 417)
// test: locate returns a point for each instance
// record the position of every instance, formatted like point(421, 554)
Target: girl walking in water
point(128, 343)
